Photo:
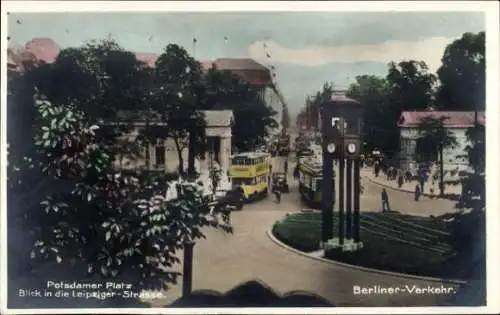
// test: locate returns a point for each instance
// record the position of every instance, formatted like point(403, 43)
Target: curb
point(359, 268)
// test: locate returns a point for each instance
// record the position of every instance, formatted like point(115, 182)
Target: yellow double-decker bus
point(250, 172)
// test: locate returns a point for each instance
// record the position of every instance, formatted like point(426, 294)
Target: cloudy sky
point(307, 49)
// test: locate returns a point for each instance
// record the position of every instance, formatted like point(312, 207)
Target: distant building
point(162, 156)
point(457, 122)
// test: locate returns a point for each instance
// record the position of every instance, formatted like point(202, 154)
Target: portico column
point(165, 152)
point(152, 156)
point(225, 152)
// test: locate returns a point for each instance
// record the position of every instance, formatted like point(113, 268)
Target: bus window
point(242, 181)
point(238, 161)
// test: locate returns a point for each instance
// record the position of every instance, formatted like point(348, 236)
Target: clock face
point(351, 148)
point(331, 148)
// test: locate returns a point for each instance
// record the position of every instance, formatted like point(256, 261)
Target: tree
point(468, 226)
point(373, 92)
point(252, 116)
point(77, 206)
point(175, 101)
point(473, 183)
point(434, 137)
point(103, 80)
point(412, 86)
point(462, 74)
point(462, 78)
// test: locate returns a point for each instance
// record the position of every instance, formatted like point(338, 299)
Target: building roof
point(238, 64)
point(43, 49)
point(149, 59)
point(250, 155)
point(247, 69)
point(219, 118)
point(455, 119)
point(250, 71)
point(213, 118)
point(339, 97)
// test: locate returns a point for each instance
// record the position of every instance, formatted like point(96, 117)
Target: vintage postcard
point(249, 157)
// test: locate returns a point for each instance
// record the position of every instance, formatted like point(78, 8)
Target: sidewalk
point(451, 191)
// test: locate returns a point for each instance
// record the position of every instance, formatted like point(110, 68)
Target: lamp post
point(187, 275)
point(341, 122)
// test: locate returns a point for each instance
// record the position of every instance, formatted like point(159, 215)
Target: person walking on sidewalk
point(277, 192)
point(385, 201)
point(400, 181)
point(376, 168)
point(417, 192)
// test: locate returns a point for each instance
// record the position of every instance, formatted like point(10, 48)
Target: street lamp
point(341, 122)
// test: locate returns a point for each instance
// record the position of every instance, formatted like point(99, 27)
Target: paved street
point(223, 261)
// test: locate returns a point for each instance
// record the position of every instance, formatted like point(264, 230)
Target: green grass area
point(393, 242)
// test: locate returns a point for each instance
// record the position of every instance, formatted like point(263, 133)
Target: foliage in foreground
point(112, 221)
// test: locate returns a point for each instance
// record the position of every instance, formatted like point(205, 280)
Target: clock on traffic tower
point(341, 128)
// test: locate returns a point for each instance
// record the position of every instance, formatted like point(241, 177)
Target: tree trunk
point(441, 171)
point(148, 155)
point(191, 154)
point(179, 155)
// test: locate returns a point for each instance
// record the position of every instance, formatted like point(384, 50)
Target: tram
point(283, 147)
point(250, 172)
point(310, 173)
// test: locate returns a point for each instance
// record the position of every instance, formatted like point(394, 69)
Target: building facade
point(456, 122)
point(163, 155)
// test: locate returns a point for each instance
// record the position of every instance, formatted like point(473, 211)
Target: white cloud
point(429, 50)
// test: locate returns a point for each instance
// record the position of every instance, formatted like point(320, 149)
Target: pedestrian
point(421, 180)
point(376, 168)
point(286, 167)
point(296, 172)
point(400, 181)
point(277, 193)
point(417, 192)
point(385, 201)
